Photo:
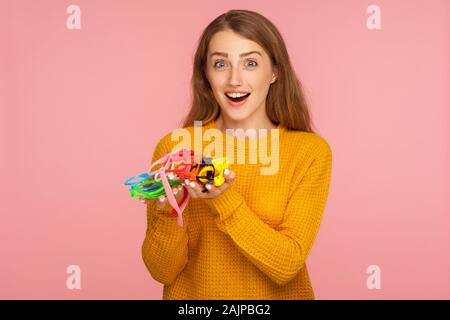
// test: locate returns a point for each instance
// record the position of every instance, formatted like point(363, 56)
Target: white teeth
point(235, 95)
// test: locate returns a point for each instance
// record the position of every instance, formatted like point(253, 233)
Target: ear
point(274, 75)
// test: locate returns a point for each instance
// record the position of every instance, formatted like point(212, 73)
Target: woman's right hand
point(162, 201)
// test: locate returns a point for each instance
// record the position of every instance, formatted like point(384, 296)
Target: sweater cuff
point(225, 204)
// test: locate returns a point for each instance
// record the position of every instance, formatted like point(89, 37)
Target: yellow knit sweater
point(252, 241)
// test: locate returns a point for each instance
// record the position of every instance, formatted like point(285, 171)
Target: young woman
point(250, 237)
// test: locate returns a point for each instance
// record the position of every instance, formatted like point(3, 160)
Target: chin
point(237, 115)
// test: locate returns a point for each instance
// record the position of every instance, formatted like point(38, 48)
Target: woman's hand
point(195, 189)
point(162, 201)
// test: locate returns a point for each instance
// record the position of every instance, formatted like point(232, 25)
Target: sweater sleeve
point(280, 253)
point(165, 247)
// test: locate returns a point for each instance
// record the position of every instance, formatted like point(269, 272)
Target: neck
point(223, 123)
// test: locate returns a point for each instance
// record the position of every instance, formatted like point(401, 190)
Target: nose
point(235, 77)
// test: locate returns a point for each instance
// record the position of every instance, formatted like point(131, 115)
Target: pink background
point(81, 111)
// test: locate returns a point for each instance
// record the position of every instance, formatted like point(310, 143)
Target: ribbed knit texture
point(252, 241)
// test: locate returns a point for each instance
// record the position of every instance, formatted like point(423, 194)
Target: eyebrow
point(223, 54)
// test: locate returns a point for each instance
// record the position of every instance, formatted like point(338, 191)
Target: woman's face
point(236, 64)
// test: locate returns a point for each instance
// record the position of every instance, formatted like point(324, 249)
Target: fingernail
point(161, 199)
point(226, 172)
point(186, 181)
point(175, 191)
point(142, 201)
point(208, 186)
point(192, 184)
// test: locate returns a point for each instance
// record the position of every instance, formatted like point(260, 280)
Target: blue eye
point(255, 63)
point(215, 64)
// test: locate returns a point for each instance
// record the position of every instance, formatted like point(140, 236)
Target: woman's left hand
point(195, 189)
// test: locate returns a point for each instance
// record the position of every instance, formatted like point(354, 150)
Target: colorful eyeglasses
point(175, 168)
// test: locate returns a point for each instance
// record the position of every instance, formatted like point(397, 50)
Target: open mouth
point(238, 99)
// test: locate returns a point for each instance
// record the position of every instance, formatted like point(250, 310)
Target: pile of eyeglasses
point(174, 168)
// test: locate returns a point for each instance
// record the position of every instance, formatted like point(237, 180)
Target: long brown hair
point(285, 102)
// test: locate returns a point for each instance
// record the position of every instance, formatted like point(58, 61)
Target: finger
point(213, 191)
point(191, 192)
point(229, 175)
point(196, 189)
point(229, 179)
point(160, 202)
point(186, 184)
point(180, 193)
point(143, 200)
